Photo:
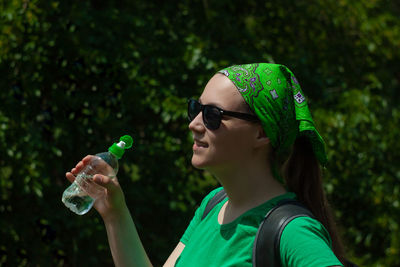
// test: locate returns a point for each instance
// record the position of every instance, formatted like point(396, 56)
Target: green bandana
point(275, 96)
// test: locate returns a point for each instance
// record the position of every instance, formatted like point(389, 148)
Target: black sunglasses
point(212, 115)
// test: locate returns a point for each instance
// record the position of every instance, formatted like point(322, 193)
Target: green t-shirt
point(304, 241)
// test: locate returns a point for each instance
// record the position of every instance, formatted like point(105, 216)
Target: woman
point(247, 118)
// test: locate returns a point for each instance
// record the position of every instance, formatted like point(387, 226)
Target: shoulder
point(198, 215)
point(209, 196)
point(306, 242)
point(200, 209)
point(212, 193)
point(308, 227)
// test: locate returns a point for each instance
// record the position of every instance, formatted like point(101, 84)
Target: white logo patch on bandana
point(274, 94)
point(299, 98)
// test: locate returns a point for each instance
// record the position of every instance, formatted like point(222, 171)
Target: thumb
point(105, 181)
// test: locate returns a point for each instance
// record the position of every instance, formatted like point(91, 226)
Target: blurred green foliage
point(76, 75)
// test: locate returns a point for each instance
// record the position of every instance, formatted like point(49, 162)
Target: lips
point(200, 144)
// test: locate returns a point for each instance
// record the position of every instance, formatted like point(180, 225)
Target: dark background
point(76, 75)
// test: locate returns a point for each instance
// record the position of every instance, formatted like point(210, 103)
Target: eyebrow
point(211, 104)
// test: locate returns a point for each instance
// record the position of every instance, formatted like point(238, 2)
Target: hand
point(112, 202)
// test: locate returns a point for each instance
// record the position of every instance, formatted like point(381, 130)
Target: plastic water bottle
point(81, 194)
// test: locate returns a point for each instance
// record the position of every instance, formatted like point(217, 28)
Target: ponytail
point(303, 176)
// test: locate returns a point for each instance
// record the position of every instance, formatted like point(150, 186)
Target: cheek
point(234, 147)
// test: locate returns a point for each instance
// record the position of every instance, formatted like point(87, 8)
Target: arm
point(126, 247)
point(306, 242)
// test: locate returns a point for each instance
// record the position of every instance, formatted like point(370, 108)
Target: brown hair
point(303, 176)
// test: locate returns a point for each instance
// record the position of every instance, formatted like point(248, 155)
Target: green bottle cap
point(118, 150)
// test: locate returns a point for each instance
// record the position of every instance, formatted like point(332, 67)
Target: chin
point(198, 163)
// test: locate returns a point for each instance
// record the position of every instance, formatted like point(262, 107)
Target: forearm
point(126, 247)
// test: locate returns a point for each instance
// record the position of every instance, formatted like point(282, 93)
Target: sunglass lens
point(212, 117)
point(193, 109)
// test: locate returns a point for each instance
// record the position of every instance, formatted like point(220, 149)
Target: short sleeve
point(306, 242)
point(197, 216)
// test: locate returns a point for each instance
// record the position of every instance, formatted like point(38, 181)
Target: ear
point(261, 138)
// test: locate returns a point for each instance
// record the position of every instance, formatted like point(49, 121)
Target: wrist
point(116, 215)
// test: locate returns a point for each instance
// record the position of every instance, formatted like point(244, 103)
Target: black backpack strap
point(221, 195)
point(266, 248)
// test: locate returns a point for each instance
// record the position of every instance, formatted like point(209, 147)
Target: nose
point(197, 124)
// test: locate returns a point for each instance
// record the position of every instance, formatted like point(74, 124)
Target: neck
point(249, 186)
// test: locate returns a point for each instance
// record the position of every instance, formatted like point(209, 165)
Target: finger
point(74, 172)
point(76, 169)
point(70, 177)
point(86, 159)
point(81, 164)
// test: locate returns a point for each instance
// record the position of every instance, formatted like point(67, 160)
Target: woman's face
point(232, 143)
